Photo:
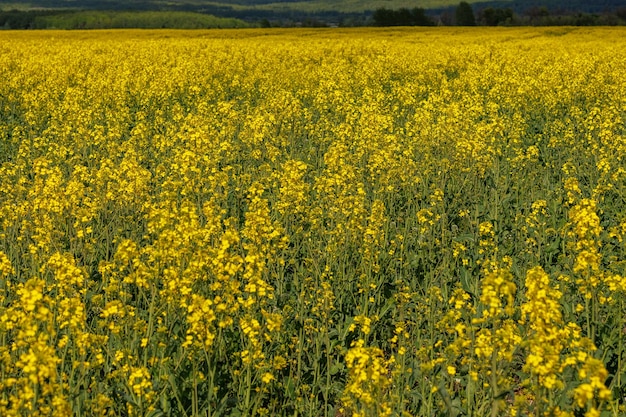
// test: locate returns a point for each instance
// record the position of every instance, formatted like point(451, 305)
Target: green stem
point(494, 383)
point(248, 388)
point(328, 361)
point(588, 318)
point(194, 400)
point(620, 351)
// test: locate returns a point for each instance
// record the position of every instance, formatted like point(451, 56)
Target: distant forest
point(501, 13)
point(117, 19)
point(90, 14)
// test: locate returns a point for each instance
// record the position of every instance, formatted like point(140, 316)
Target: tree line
point(401, 17)
point(94, 19)
point(465, 15)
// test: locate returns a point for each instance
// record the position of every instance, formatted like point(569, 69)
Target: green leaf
point(337, 368)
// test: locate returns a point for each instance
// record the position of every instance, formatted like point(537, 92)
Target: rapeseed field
point(406, 222)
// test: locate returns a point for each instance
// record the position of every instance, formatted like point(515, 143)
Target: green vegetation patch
point(133, 19)
point(344, 6)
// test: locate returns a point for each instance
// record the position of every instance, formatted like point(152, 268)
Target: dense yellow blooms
point(313, 222)
point(368, 378)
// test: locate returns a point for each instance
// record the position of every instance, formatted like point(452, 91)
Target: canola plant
point(381, 222)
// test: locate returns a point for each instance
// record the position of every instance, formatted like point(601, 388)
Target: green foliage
point(496, 16)
point(401, 17)
point(18, 15)
point(143, 20)
point(465, 15)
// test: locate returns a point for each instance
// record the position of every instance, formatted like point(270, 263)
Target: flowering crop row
point(313, 223)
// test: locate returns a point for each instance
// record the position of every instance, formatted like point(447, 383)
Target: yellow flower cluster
point(365, 393)
point(554, 345)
